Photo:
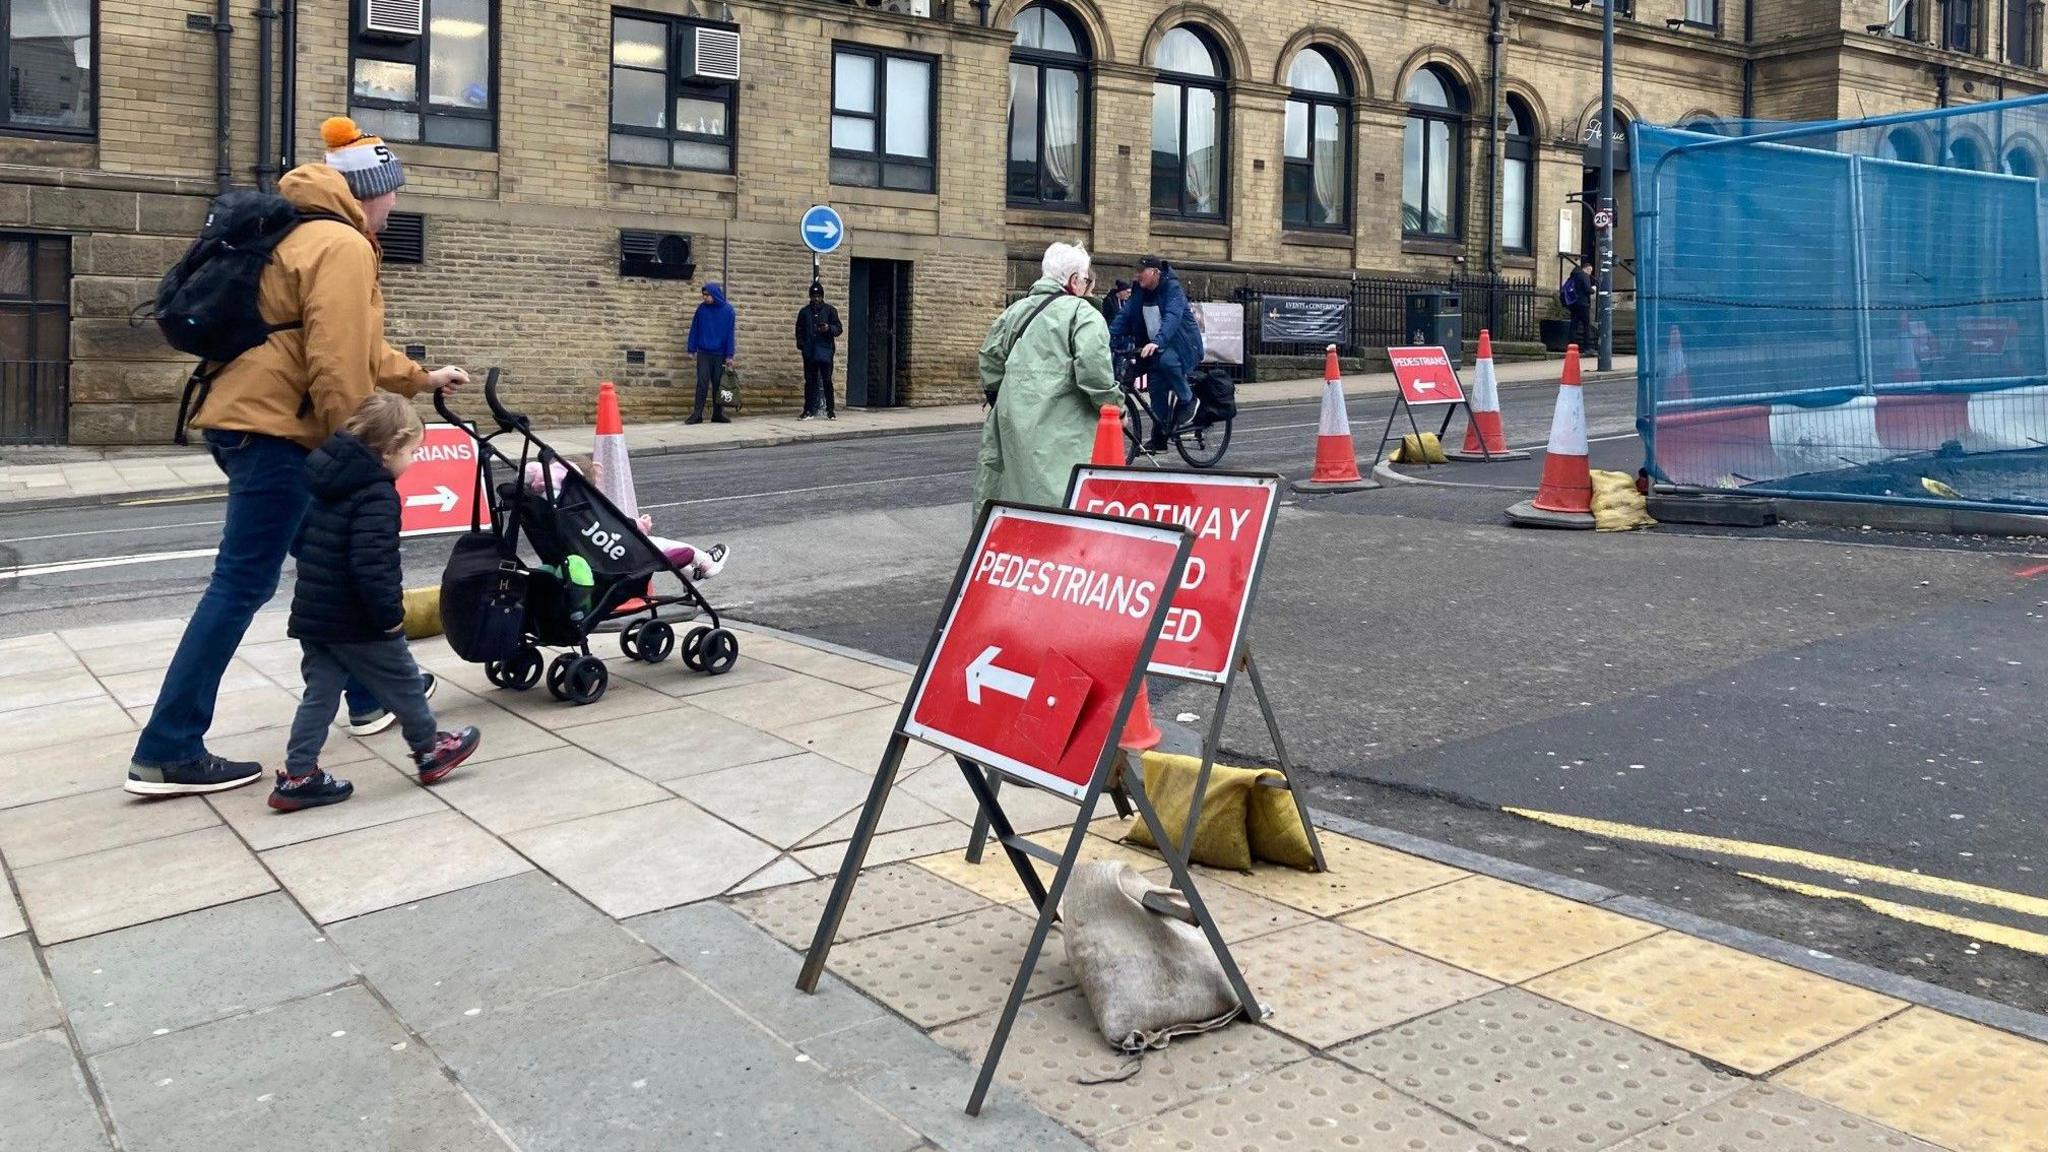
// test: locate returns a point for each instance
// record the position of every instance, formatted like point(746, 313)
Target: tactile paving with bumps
point(1360, 874)
point(884, 899)
point(952, 969)
point(1764, 1119)
point(1055, 1049)
point(1537, 1074)
point(1500, 930)
point(1952, 1081)
point(1327, 984)
point(1748, 1013)
point(1314, 1106)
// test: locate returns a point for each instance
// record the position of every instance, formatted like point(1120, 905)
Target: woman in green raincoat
point(1046, 362)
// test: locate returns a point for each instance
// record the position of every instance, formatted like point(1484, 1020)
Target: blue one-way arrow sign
point(822, 229)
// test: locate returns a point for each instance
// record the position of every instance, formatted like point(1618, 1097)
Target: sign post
point(1205, 639)
point(1426, 378)
point(439, 492)
point(1031, 672)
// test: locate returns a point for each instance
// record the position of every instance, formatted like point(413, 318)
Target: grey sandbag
point(1147, 971)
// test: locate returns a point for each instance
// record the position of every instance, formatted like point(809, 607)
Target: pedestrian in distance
point(321, 353)
point(817, 340)
point(348, 608)
point(713, 341)
point(1046, 372)
point(1576, 294)
point(1157, 320)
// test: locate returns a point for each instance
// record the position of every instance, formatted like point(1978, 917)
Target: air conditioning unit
point(656, 256)
point(711, 54)
point(394, 19)
point(901, 7)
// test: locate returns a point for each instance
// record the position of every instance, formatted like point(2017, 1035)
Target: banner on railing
point(1222, 331)
point(1305, 320)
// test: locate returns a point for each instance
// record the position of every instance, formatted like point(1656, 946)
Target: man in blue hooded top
point(1157, 321)
point(714, 344)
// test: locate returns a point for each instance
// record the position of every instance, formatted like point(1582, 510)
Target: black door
point(35, 339)
point(878, 333)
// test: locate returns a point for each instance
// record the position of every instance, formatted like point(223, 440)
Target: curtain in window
point(1328, 158)
point(1203, 152)
point(1062, 98)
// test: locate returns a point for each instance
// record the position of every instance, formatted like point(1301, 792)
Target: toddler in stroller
point(702, 564)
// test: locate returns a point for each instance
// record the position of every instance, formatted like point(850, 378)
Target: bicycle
point(1200, 444)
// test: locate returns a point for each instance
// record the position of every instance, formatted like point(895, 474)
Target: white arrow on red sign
point(986, 673)
point(442, 497)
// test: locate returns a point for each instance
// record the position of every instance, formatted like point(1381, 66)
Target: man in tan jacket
point(263, 413)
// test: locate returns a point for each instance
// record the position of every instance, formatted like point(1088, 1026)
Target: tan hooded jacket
point(302, 384)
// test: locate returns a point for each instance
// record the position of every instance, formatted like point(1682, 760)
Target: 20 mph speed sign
point(1054, 615)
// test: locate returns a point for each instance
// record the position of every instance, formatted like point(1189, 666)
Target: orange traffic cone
point(1565, 498)
point(1484, 438)
point(1336, 456)
point(1109, 437)
point(1140, 733)
point(608, 452)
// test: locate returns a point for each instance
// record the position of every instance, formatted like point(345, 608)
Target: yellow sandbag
point(1617, 506)
point(1241, 820)
point(422, 613)
point(1422, 449)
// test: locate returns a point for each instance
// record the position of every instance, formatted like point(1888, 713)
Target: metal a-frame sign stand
point(1057, 677)
point(1223, 675)
point(1407, 400)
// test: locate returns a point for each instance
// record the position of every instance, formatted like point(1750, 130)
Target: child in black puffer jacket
point(348, 610)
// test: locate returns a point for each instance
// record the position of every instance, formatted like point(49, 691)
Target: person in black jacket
point(348, 609)
point(817, 334)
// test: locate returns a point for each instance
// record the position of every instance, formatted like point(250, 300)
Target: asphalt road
point(1860, 700)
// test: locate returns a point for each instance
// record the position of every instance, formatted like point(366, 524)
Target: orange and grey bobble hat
point(366, 162)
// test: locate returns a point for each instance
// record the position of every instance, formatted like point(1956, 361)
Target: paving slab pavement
point(589, 941)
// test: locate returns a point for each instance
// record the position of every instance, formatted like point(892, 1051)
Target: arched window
point(1048, 110)
point(1318, 143)
point(1432, 164)
point(1902, 145)
point(1963, 152)
point(1188, 117)
point(2021, 162)
point(1518, 177)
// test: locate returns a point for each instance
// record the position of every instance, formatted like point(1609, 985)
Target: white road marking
point(57, 569)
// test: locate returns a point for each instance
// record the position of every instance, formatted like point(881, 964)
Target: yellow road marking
point(1836, 865)
point(2017, 938)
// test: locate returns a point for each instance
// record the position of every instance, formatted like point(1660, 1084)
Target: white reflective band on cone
point(615, 473)
point(1568, 425)
point(1335, 420)
point(1485, 392)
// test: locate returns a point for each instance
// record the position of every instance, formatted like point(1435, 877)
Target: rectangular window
point(2023, 33)
point(48, 57)
point(1706, 13)
point(433, 89)
point(1960, 26)
point(884, 109)
point(666, 110)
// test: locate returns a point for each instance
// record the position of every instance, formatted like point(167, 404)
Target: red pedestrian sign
point(1230, 516)
point(1426, 376)
point(438, 493)
point(1053, 617)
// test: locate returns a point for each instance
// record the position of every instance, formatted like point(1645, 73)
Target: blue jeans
point(267, 498)
point(1166, 386)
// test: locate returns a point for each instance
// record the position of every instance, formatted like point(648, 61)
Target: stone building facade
point(552, 144)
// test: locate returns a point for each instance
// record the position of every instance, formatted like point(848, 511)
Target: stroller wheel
point(693, 648)
point(558, 675)
point(629, 640)
point(523, 670)
point(721, 652)
point(494, 671)
point(654, 642)
point(588, 678)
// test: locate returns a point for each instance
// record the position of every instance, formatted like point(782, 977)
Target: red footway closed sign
point(1426, 376)
point(438, 492)
point(1231, 518)
point(1053, 615)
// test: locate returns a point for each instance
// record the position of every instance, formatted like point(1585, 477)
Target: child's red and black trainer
point(313, 790)
point(450, 749)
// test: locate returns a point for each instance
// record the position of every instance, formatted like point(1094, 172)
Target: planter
point(1556, 334)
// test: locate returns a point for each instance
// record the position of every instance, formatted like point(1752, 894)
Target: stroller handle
point(507, 418)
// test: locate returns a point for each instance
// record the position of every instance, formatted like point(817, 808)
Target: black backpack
point(206, 304)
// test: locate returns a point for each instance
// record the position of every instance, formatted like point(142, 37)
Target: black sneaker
point(313, 790)
point(808, 416)
point(831, 414)
point(450, 749)
point(720, 418)
point(1155, 444)
point(210, 773)
point(371, 723)
point(698, 418)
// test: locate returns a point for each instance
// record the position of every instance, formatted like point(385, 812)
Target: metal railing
point(1377, 312)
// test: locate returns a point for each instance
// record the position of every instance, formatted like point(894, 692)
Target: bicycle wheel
point(1134, 430)
point(1202, 447)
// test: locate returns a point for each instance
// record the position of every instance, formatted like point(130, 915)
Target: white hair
point(1063, 262)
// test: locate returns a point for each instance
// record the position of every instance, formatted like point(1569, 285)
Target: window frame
point(418, 52)
point(881, 157)
point(1456, 118)
point(2023, 33)
point(1183, 82)
point(674, 88)
point(1341, 102)
point(1713, 10)
point(1522, 147)
point(1972, 21)
point(1041, 61)
point(90, 130)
